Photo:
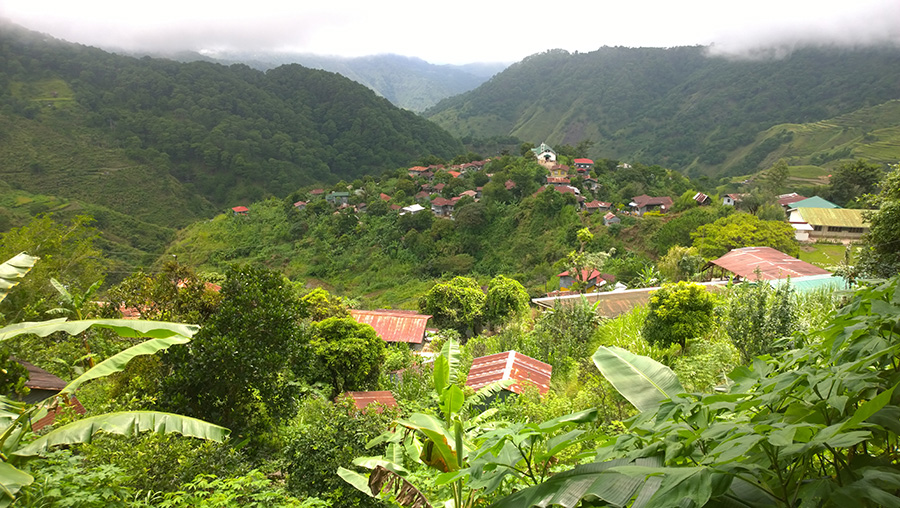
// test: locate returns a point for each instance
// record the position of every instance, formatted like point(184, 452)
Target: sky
point(459, 31)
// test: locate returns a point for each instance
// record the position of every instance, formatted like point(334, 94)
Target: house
point(411, 209)
point(732, 199)
point(417, 171)
point(813, 202)
point(43, 385)
point(592, 279)
point(362, 400)
point(558, 180)
point(582, 165)
point(544, 154)
point(597, 206)
point(512, 366)
point(785, 200)
point(623, 165)
point(644, 203)
point(760, 263)
point(828, 223)
point(395, 325)
point(338, 198)
point(702, 199)
point(611, 218)
point(591, 183)
point(509, 184)
point(454, 174)
point(442, 207)
point(559, 171)
point(421, 195)
point(384, 197)
point(472, 194)
point(317, 192)
point(240, 210)
point(300, 205)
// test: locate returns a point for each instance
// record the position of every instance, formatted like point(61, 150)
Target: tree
point(777, 176)
point(319, 304)
point(680, 263)
point(506, 299)
point(880, 256)
point(743, 230)
point(234, 371)
point(16, 418)
point(678, 312)
point(69, 254)
point(582, 264)
point(458, 304)
point(853, 180)
point(348, 354)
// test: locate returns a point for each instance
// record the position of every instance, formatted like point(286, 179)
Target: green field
point(823, 254)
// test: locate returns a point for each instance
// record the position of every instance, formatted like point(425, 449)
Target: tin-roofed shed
point(771, 264)
point(510, 365)
point(394, 325)
point(364, 399)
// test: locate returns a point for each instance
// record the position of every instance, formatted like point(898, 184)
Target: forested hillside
point(678, 107)
point(410, 83)
point(149, 136)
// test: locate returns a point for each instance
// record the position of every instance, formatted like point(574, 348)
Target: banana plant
point(815, 426)
point(16, 417)
point(443, 443)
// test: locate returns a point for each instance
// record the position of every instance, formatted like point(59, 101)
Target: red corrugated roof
point(394, 325)
point(241, 209)
point(40, 379)
point(509, 365)
point(772, 264)
point(583, 161)
point(786, 199)
point(363, 399)
point(384, 197)
point(585, 275)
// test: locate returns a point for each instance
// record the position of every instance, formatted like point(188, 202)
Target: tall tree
point(880, 256)
point(743, 230)
point(237, 370)
point(854, 180)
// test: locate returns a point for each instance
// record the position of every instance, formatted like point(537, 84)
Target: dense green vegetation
point(683, 108)
point(196, 132)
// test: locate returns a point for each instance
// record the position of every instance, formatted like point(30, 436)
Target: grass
point(823, 254)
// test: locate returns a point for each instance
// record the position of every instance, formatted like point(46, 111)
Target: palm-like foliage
point(15, 418)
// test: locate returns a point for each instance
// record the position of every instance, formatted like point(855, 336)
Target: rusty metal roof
point(509, 365)
point(363, 399)
point(394, 325)
point(610, 304)
point(771, 263)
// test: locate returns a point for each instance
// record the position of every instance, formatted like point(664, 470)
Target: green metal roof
point(813, 202)
point(833, 217)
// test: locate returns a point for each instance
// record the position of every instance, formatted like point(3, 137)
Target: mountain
point(679, 107)
point(410, 83)
point(169, 142)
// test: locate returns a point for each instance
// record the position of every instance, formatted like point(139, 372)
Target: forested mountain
point(679, 107)
point(168, 142)
point(410, 83)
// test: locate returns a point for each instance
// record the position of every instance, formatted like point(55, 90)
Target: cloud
point(461, 31)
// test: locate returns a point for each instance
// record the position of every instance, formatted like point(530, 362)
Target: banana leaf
point(643, 381)
point(126, 424)
point(123, 327)
point(13, 270)
point(117, 362)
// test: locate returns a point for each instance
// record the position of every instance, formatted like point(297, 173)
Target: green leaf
point(125, 424)
point(359, 482)
point(569, 488)
point(441, 454)
point(642, 380)
point(13, 270)
point(869, 408)
point(123, 327)
point(11, 480)
point(117, 362)
point(452, 401)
